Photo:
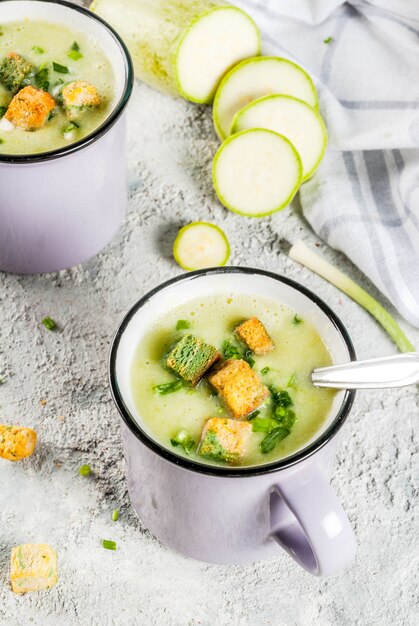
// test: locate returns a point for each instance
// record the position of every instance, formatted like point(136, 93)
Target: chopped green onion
point(41, 78)
point(49, 323)
point(247, 356)
point(115, 515)
point(3, 110)
point(38, 49)
point(269, 442)
point(183, 440)
point(253, 415)
point(1, 140)
point(85, 470)
point(75, 46)
point(166, 388)
point(61, 69)
point(302, 254)
point(70, 128)
point(280, 397)
point(296, 320)
point(108, 544)
point(328, 40)
point(230, 351)
point(263, 425)
point(183, 325)
point(292, 380)
point(265, 370)
point(75, 55)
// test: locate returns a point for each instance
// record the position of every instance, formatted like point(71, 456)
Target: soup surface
point(58, 57)
point(293, 404)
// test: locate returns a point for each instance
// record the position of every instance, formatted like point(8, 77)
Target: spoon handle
point(391, 371)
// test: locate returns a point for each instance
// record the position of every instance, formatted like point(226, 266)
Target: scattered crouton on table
point(191, 358)
point(33, 567)
point(253, 333)
point(16, 443)
point(239, 386)
point(224, 440)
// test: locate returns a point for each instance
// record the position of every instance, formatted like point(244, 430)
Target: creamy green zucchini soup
point(226, 380)
point(56, 86)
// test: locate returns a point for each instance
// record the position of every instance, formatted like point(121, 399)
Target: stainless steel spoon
point(390, 371)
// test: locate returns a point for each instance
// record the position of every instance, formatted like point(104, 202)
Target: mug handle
point(308, 522)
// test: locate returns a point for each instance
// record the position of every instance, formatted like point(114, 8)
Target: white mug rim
point(216, 470)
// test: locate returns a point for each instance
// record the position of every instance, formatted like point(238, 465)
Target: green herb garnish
point(296, 320)
point(1, 140)
point(38, 49)
point(171, 387)
point(72, 126)
point(49, 323)
point(292, 380)
point(85, 470)
point(3, 110)
point(276, 435)
point(230, 351)
point(75, 55)
point(280, 397)
point(183, 440)
point(42, 79)
point(108, 544)
point(61, 69)
point(75, 46)
point(328, 40)
point(247, 356)
point(115, 515)
point(183, 325)
point(265, 370)
point(263, 425)
point(253, 415)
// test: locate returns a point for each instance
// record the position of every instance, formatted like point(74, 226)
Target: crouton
point(30, 108)
point(253, 333)
point(14, 69)
point(16, 443)
point(78, 96)
point(224, 440)
point(33, 567)
point(191, 357)
point(239, 386)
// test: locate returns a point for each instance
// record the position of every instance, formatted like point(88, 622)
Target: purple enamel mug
point(236, 515)
point(61, 207)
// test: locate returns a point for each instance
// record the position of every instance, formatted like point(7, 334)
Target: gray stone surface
point(44, 499)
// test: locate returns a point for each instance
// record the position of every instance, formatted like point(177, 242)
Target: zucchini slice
point(182, 47)
point(256, 172)
point(254, 78)
point(294, 119)
point(199, 245)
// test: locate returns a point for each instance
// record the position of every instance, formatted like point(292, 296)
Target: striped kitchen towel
point(364, 198)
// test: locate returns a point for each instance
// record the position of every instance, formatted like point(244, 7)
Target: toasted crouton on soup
point(224, 440)
point(78, 96)
point(191, 358)
point(239, 386)
point(30, 108)
point(254, 334)
point(14, 69)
